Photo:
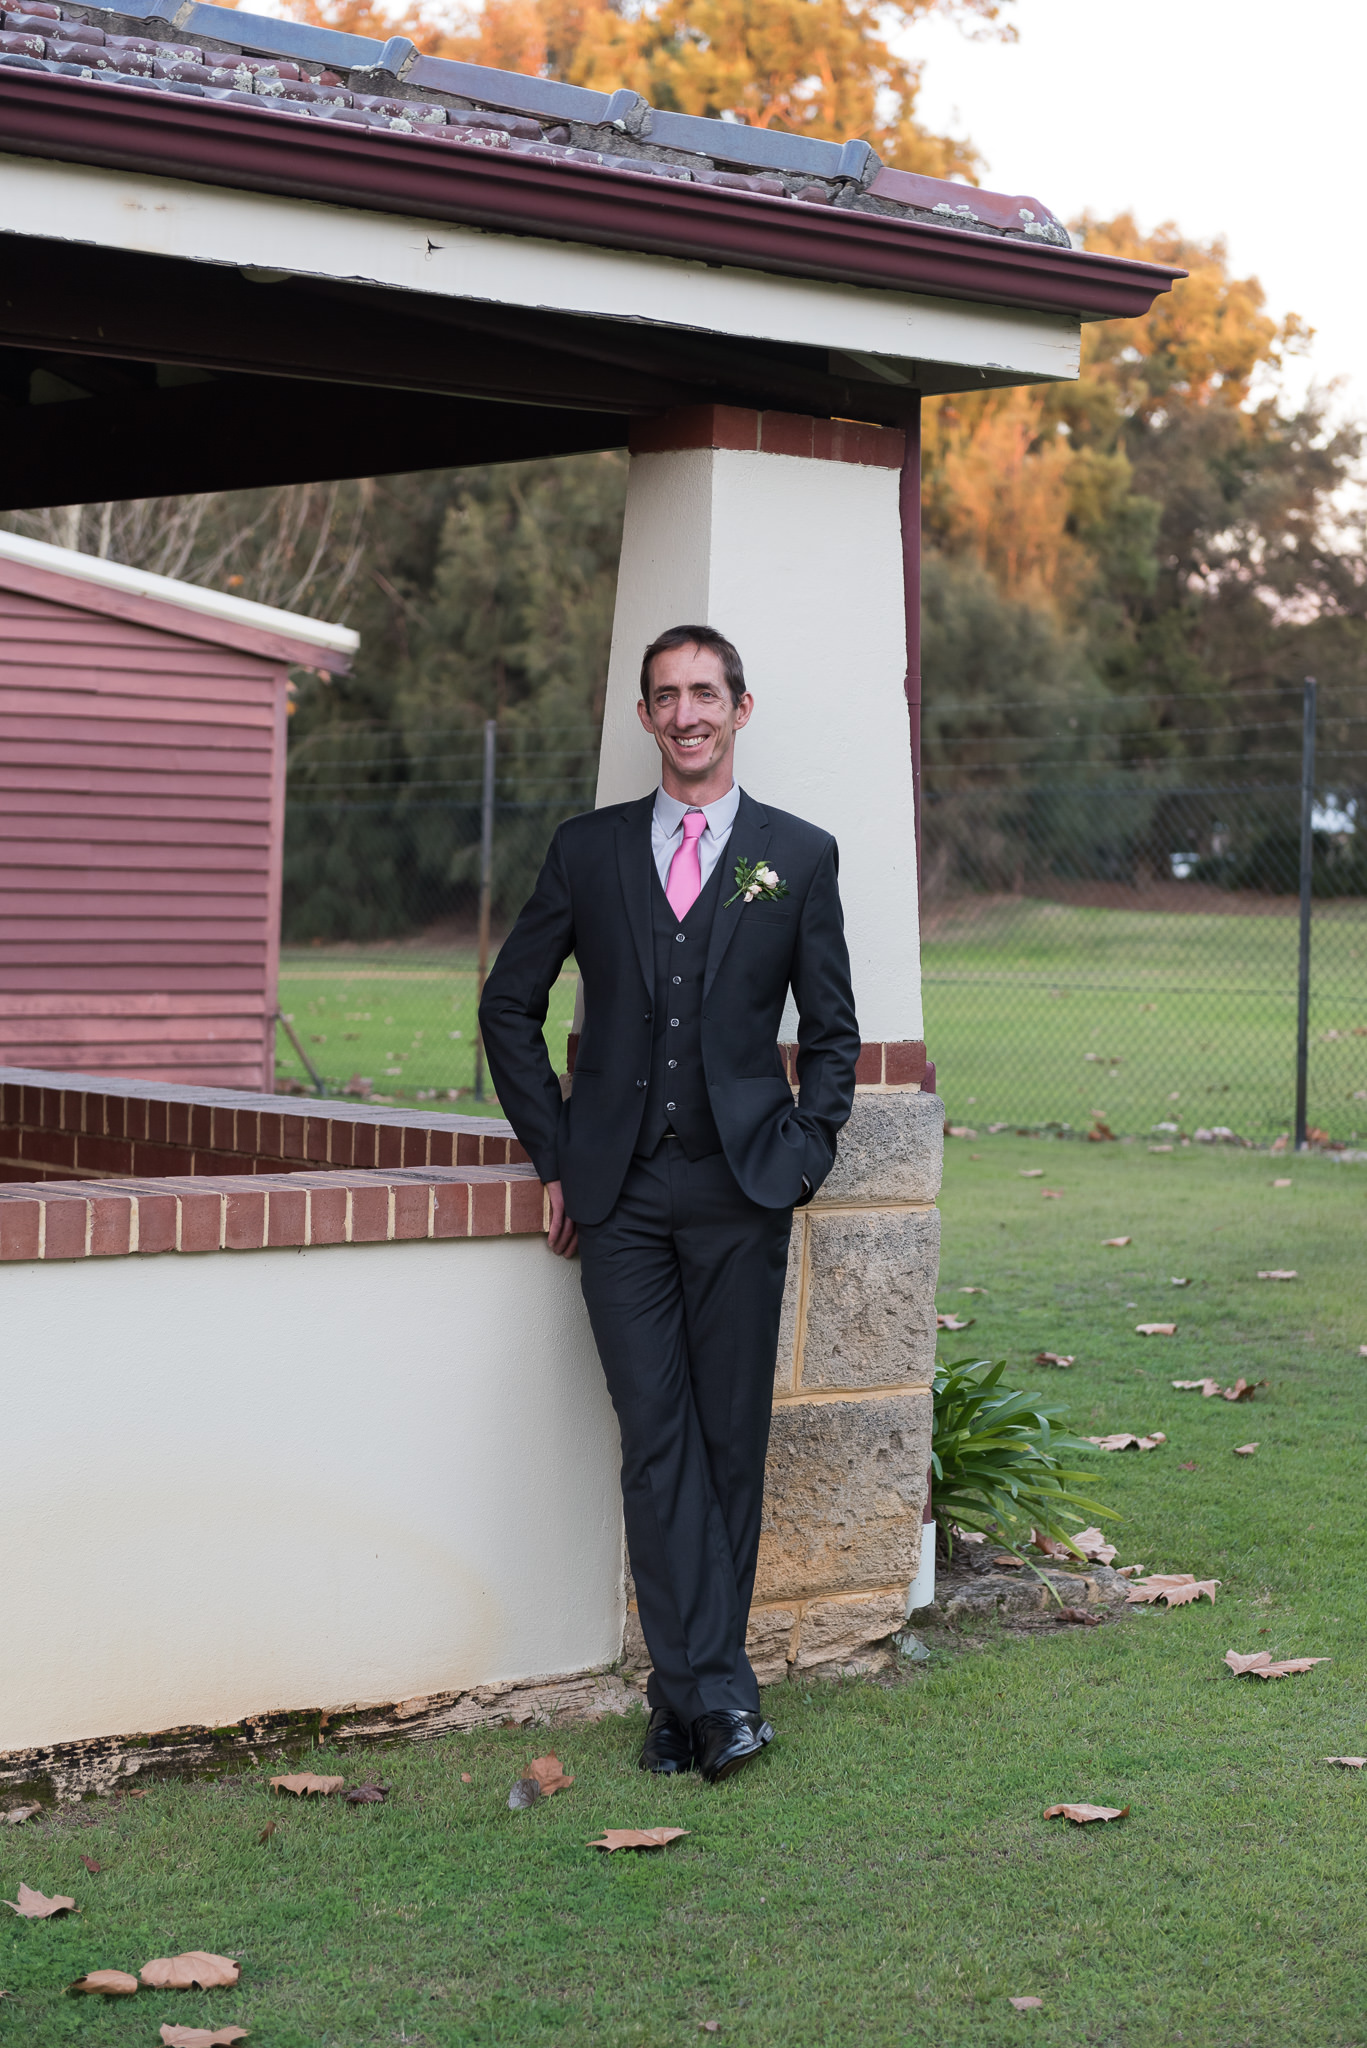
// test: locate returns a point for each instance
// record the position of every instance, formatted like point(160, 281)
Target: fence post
point(1307, 878)
point(486, 889)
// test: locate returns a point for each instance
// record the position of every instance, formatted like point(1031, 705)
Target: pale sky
point(1241, 118)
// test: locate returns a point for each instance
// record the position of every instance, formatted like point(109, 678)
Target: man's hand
point(564, 1238)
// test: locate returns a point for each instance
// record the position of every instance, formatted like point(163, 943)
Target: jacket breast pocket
point(770, 920)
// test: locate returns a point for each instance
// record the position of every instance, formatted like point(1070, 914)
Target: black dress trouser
point(684, 1284)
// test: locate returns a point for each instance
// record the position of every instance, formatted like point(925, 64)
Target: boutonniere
point(756, 882)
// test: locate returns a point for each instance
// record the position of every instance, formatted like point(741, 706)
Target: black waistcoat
point(677, 1097)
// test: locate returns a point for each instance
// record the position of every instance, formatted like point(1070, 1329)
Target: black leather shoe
point(668, 1749)
point(725, 1740)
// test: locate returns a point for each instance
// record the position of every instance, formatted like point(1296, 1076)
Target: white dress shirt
point(666, 830)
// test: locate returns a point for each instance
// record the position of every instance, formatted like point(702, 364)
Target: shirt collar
point(720, 816)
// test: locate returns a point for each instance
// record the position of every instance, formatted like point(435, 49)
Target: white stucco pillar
point(784, 533)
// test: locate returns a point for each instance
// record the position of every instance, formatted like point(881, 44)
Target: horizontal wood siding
point(141, 796)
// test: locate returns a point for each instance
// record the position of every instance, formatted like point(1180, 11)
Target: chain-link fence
point(379, 967)
point(1116, 944)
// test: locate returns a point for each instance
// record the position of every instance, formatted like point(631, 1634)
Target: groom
point(676, 1163)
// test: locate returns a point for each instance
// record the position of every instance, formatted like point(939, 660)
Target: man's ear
point(643, 713)
point(743, 710)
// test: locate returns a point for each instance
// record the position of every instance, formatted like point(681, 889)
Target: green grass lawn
point(1040, 1012)
point(402, 1016)
point(884, 1875)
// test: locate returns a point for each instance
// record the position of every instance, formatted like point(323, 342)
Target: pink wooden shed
point(142, 789)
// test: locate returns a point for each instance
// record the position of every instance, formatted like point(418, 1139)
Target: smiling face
point(694, 722)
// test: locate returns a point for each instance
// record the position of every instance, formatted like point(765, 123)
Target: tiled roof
point(290, 70)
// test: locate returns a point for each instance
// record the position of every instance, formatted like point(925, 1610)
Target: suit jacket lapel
point(635, 859)
point(749, 841)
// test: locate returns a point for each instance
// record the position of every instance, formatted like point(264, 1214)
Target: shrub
point(997, 1460)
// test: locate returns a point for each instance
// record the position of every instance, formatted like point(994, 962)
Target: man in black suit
point(676, 1162)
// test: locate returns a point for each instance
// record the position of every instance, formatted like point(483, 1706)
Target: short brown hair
point(696, 636)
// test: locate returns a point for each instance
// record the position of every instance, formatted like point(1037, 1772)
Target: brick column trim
point(768, 433)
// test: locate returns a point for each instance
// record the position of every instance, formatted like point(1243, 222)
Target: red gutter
point(212, 143)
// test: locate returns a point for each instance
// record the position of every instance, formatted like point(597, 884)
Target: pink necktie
point(685, 870)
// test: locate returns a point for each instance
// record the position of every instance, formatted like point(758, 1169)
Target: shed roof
point(39, 569)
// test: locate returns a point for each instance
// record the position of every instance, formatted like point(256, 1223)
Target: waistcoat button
point(678, 938)
point(669, 1105)
point(673, 1063)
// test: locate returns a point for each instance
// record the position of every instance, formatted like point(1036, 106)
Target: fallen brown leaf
point(466, 1779)
point(1281, 1183)
point(1174, 1589)
point(1122, 1440)
point(1244, 1450)
point(1078, 1615)
point(109, 1983)
point(1118, 1242)
point(709, 2026)
point(1100, 1134)
point(549, 1775)
point(17, 1815)
point(1243, 1390)
point(201, 2037)
point(1009, 1563)
point(952, 1322)
point(1062, 1359)
point(1350, 1763)
point(636, 1838)
point(1205, 1387)
point(1177, 1281)
point(1260, 1664)
point(372, 1793)
point(972, 1290)
point(1051, 1546)
point(1083, 1813)
point(1155, 1329)
point(1094, 1546)
point(302, 1783)
point(1025, 2004)
point(32, 1905)
point(1276, 1273)
point(195, 1967)
point(1189, 1466)
point(91, 1865)
point(266, 1833)
point(1032, 1173)
point(1052, 1194)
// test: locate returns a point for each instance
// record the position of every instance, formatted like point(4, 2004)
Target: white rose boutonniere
point(756, 883)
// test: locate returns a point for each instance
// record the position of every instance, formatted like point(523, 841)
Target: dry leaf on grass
point(266, 1833)
point(636, 1838)
point(194, 1968)
point(1155, 1329)
point(549, 1774)
point(953, 1323)
point(1205, 1387)
point(91, 1865)
point(1276, 1273)
point(972, 1290)
point(1244, 1450)
point(1350, 1763)
point(1261, 1665)
point(372, 1793)
point(201, 2037)
point(302, 1783)
point(1009, 1563)
point(1281, 1183)
point(1062, 1359)
point(17, 1815)
point(1080, 1616)
point(108, 1983)
point(1174, 1589)
point(1083, 1813)
point(1025, 2004)
point(1242, 1390)
point(1032, 1173)
point(709, 2026)
point(1177, 1281)
point(1118, 1242)
point(1052, 1194)
point(466, 1779)
point(1124, 1440)
point(32, 1905)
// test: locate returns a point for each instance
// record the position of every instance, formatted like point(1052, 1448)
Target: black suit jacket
point(593, 900)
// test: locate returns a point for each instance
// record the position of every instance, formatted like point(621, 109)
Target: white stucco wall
point(292, 1479)
point(799, 563)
